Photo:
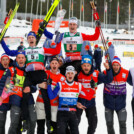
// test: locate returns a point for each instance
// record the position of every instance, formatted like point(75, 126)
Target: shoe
point(49, 127)
point(24, 126)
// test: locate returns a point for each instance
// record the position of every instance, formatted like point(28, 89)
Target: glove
point(49, 81)
point(58, 37)
point(98, 23)
point(96, 16)
point(92, 83)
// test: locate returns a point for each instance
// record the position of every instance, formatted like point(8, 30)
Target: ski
point(101, 33)
point(12, 14)
point(46, 20)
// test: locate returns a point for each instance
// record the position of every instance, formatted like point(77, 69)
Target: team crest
point(94, 74)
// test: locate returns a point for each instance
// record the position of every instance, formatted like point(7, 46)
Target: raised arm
point(53, 94)
point(7, 50)
point(93, 37)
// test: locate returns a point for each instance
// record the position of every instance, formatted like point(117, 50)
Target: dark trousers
point(65, 119)
point(33, 78)
point(41, 127)
point(122, 116)
point(133, 110)
point(15, 113)
point(98, 66)
point(2, 121)
point(91, 115)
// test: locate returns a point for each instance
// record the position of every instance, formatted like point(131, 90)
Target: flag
point(105, 7)
point(129, 8)
point(118, 8)
point(61, 5)
point(82, 8)
point(72, 5)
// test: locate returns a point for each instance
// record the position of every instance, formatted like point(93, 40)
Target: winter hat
point(54, 58)
point(20, 52)
point(116, 60)
point(109, 44)
point(70, 69)
point(73, 20)
point(31, 33)
point(96, 46)
point(4, 55)
point(86, 59)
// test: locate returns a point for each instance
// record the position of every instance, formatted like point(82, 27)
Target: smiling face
point(21, 59)
point(54, 66)
point(116, 67)
point(72, 27)
point(5, 62)
point(70, 76)
point(31, 41)
point(86, 67)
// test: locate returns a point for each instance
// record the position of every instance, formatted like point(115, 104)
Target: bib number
point(33, 57)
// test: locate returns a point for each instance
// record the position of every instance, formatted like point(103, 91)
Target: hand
point(80, 106)
point(26, 90)
point(106, 65)
point(92, 83)
point(96, 16)
point(58, 37)
point(98, 23)
point(43, 85)
point(49, 81)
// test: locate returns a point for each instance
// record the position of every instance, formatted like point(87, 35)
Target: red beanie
point(96, 46)
point(4, 55)
point(109, 44)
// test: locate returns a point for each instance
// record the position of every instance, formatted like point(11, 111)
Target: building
point(2, 11)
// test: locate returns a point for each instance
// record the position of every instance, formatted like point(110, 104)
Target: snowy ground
point(127, 63)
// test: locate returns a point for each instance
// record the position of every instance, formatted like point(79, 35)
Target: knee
point(122, 124)
point(26, 90)
point(110, 124)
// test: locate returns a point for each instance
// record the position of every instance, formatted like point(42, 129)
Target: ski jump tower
point(2, 11)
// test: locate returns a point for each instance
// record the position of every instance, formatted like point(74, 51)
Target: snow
point(19, 29)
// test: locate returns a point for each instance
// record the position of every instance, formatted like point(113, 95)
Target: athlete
point(89, 78)
point(54, 76)
point(68, 92)
point(17, 74)
point(73, 41)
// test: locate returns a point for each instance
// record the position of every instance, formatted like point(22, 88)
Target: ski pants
point(15, 113)
point(133, 110)
point(98, 66)
point(122, 116)
point(65, 119)
point(31, 120)
point(91, 115)
point(2, 121)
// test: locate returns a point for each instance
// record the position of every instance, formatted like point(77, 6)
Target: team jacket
point(91, 92)
point(73, 42)
point(34, 55)
point(18, 73)
point(55, 79)
point(68, 94)
point(115, 92)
